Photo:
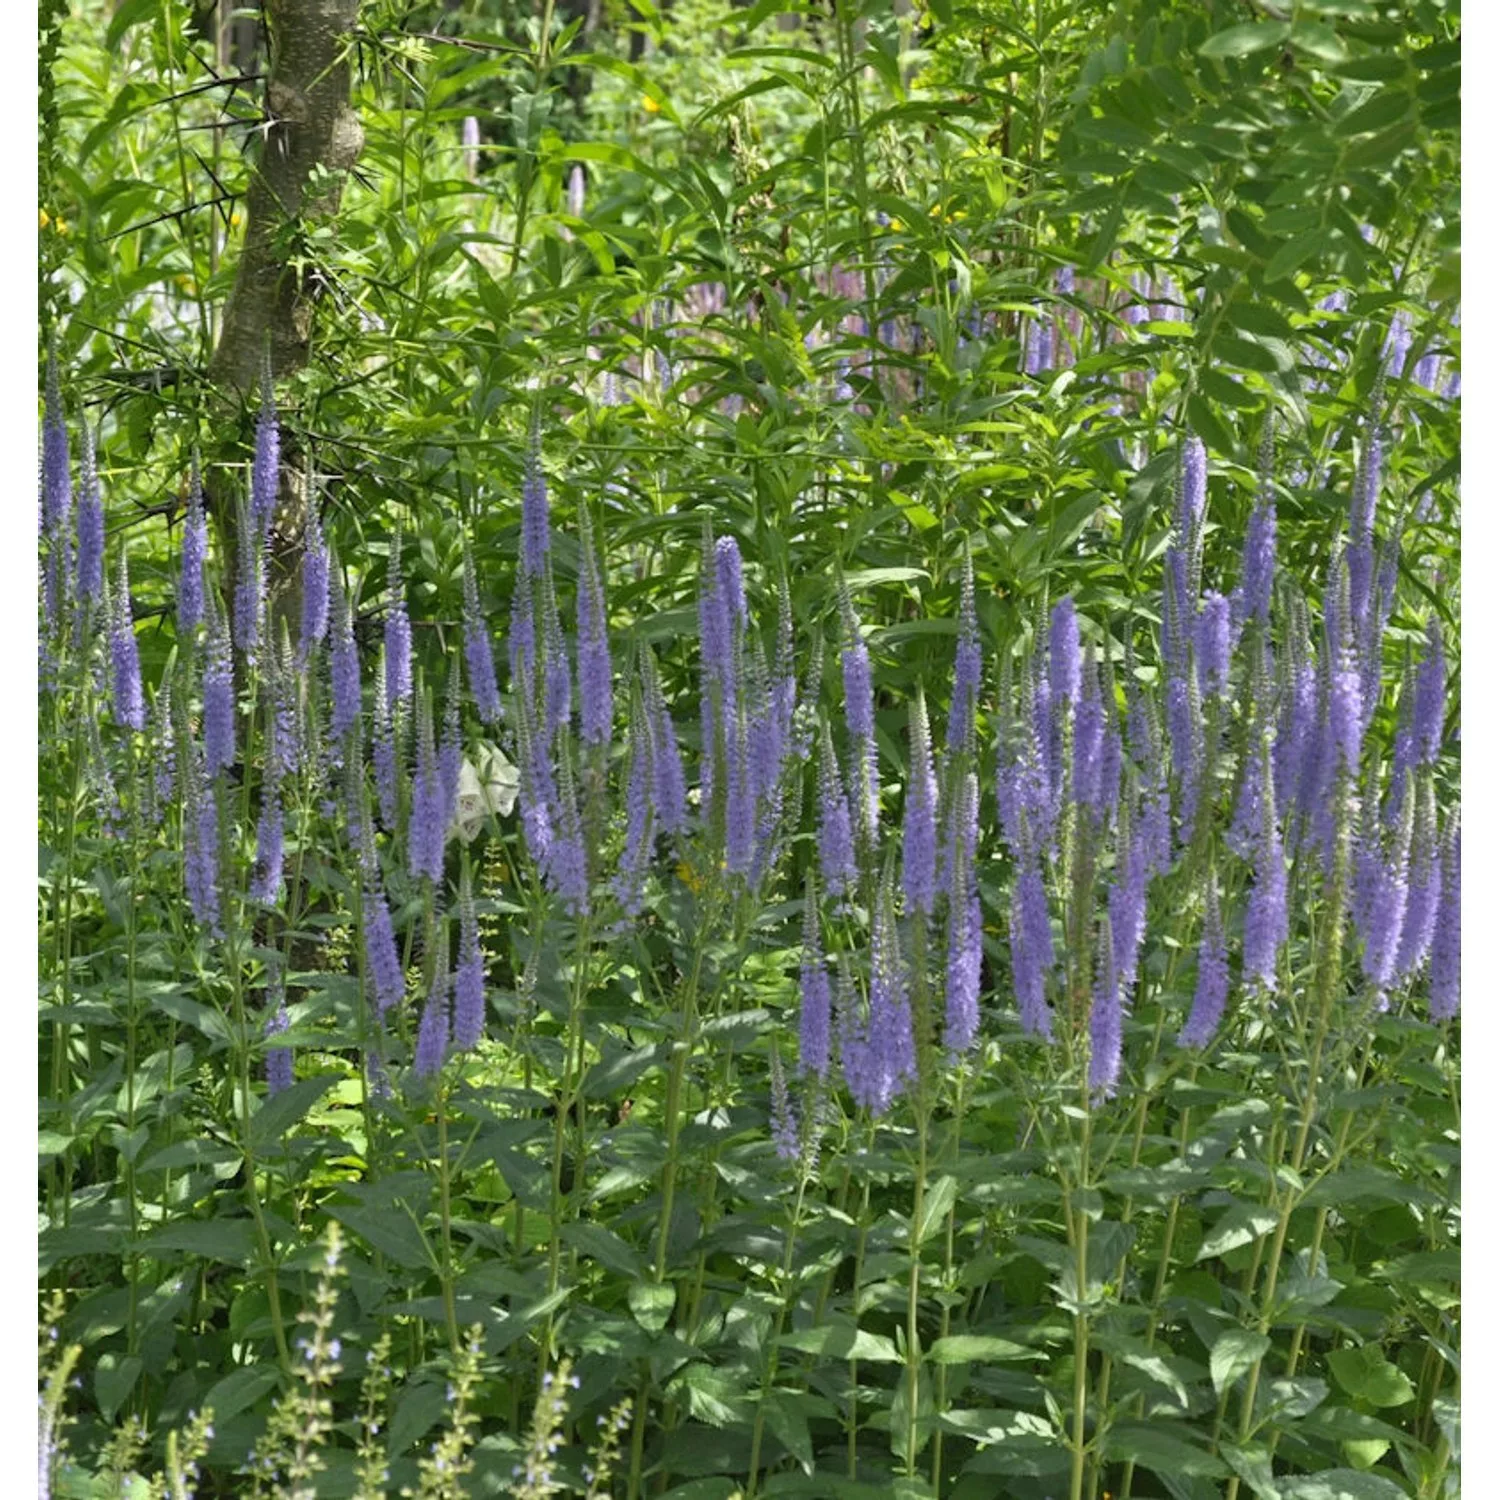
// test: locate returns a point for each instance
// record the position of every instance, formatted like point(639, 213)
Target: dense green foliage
point(794, 302)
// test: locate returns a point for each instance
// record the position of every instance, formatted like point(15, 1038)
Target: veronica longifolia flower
point(1127, 912)
point(397, 637)
point(57, 471)
point(265, 472)
point(383, 753)
point(890, 1047)
point(566, 869)
point(478, 657)
point(128, 703)
point(265, 888)
point(381, 961)
point(315, 575)
point(343, 669)
point(1213, 979)
point(468, 978)
point(432, 1033)
point(1194, 498)
point(965, 921)
point(89, 573)
point(536, 529)
point(278, 1059)
point(1266, 916)
point(1106, 1020)
point(201, 854)
point(1423, 888)
point(919, 832)
point(668, 784)
point(1252, 600)
point(1428, 703)
point(1446, 964)
point(427, 830)
point(813, 1030)
point(595, 694)
point(1064, 655)
point(249, 588)
point(1211, 641)
point(1031, 950)
point(630, 879)
point(835, 834)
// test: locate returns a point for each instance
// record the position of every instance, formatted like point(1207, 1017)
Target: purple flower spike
point(1428, 704)
point(1443, 1005)
point(427, 829)
point(536, 530)
point(783, 1116)
point(1127, 914)
point(249, 588)
point(1346, 713)
point(468, 978)
point(1194, 488)
point(968, 670)
point(57, 470)
point(919, 831)
point(1064, 655)
point(218, 699)
point(1212, 644)
point(266, 886)
point(1213, 980)
point(127, 700)
point(194, 555)
point(1031, 951)
point(382, 965)
point(630, 879)
point(595, 694)
point(89, 573)
point(478, 656)
point(813, 1051)
point(836, 861)
point(668, 783)
point(1106, 1020)
point(432, 1033)
point(567, 862)
point(201, 855)
point(315, 572)
point(279, 1068)
point(1252, 600)
point(1424, 888)
point(343, 669)
point(265, 472)
point(1266, 916)
point(965, 921)
point(397, 638)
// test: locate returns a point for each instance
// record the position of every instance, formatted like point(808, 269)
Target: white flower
point(489, 787)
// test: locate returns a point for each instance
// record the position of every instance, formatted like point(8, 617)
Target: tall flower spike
point(536, 791)
point(968, 668)
point(343, 664)
point(89, 572)
point(1430, 693)
point(813, 1051)
point(265, 471)
point(1106, 1019)
point(630, 878)
point(279, 1068)
point(432, 1033)
point(1064, 655)
point(314, 584)
point(1194, 498)
point(201, 851)
point(382, 964)
point(468, 978)
point(383, 751)
point(859, 717)
point(249, 587)
point(1424, 887)
point(557, 673)
point(668, 784)
point(1211, 643)
point(265, 888)
point(128, 702)
point(57, 470)
point(194, 556)
point(892, 1045)
point(1127, 909)
point(397, 634)
point(595, 692)
point(1266, 915)
point(478, 655)
point(1031, 949)
point(1213, 978)
point(218, 696)
point(919, 829)
point(965, 922)
point(567, 871)
point(836, 860)
point(1446, 965)
point(427, 829)
point(536, 530)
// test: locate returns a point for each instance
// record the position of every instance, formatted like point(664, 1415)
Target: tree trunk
point(310, 126)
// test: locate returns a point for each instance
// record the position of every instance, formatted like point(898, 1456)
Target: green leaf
point(115, 1376)
point(935, 1205)
point(1245, 39)
point(1367, 1374)
point(1318, 40)
point(1296, 252)
point(786, 1416)
point(1156, 1449)
point(841, 1340)
point(652, 1302)
point(231, 1395)
point(1242, 1225)
point(713, 1395)
point(127, 14)
point(1234, 1352)
point(390, 1231)
point(606, 1247)
point(282, 1111)
point(1341, 1484)
point(975, 1348)
point(228, 1240)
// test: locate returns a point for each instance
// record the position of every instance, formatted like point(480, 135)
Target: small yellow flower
point(234, 220)
point(46, 218)
point(650, 105)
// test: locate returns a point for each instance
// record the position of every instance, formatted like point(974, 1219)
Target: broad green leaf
point(975, 1348)
point(1366, 1373)
point(842, 1341)
point(652, 1303)
point(115, 1376)
point(1245, 39)
point(1158, 1449)
point(231, 1395)
point(1233, 1353)
point(1242, 1225)
point(1341, 1484)
point(281, 1111)
point(938, 1199)
point(786, 1416)
point(228, 1240)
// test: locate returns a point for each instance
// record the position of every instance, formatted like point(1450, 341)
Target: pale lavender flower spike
point(1213, 979)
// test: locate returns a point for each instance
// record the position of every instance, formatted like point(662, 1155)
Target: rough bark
point(310, 126)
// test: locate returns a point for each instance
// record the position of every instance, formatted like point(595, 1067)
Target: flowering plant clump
point(838, 872)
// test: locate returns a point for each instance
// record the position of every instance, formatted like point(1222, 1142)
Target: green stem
point(1079, 1219)
point(913, 1292)
point(450, 1306)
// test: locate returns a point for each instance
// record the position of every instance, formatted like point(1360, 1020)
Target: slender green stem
point(913, 1294)
point(1078, 1217)
point(445, 1201)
